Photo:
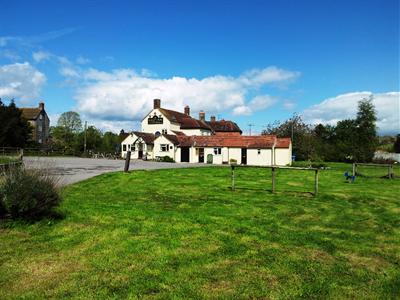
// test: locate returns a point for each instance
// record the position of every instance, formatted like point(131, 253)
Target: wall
point(283, 156)
point(153, 128)
point(195, 131)
point(262, 159)
point(128, 141)
point(235, 153)
point(171, 148)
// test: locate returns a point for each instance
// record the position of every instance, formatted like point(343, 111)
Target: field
point(184, 234)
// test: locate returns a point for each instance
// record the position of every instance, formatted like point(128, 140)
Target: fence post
point(127, 161)
point(354, 169)
point(233, 178)
point(273, 180)
point(316, 183)
point(21, 153)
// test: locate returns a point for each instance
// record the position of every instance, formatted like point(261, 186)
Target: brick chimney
point(157, 103)
point(187, 110)
point(212, 119)
point(202, 115)
point(41, 105)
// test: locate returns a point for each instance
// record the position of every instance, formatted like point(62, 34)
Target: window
point(40, 117)
point(258, 151)
point(123, 147)
point(133, 148)
point(40, 141)
point(164, 147)
point(164, 131)
point(157, 133)
point(40, 128)
point(217, 151)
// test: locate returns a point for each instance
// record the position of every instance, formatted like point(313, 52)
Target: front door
point(244, 156)
point(140, 151)
point(201, 155)
point(185, 154)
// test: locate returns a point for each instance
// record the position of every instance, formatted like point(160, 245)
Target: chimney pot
point(212, 119)
point(41, 105)
point(202, 115)
point(157, 103)
point(187, 110)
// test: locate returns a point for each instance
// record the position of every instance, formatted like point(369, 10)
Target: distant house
point(40, 122)
point(186, 139)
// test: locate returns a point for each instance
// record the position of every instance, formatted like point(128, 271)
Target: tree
point(301, 133)
point(366, 138)
point(396, 145)
point(343, 140)
point(71, 121)
point(111, 142)
point(94, 139)
point(15, 131)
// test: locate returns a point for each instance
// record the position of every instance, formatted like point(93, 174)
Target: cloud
point(289, 105)
point(21, 81)
point(40, 56)
point(124, 94)
point(10, 55)
point(344, 106)
point(258, 103)
point(80, 60)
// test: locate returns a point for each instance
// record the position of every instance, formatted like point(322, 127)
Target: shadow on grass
point(51, 217)
point(288, 193)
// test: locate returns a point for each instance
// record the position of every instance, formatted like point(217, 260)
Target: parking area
point(74, 169)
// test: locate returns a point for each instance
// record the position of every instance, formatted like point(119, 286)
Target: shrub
point(167, 159)
point(28, 194)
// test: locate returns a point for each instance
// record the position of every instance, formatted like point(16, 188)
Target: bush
point(28, 194)
point(167, 159)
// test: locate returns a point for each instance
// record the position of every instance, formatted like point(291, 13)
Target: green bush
point(167, 159)
point(28, 194)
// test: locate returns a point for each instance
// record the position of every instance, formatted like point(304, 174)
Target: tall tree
point(367, 140)
point(71, 121)
point(15, 131)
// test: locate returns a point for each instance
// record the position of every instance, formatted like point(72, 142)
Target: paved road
point(74, 169)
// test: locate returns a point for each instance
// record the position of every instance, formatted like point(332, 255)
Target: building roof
point(172, 138)
point(30, 113)
point(186, 122)
point(283, 143)
point(240, 141)
point(224, 126)
point(148, 138)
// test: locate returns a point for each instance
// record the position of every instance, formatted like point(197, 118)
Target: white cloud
point(82, 60)
point(124, 94)
point(344, 106)
point(10, 55)
point(40, 56)
point(256, 104)
point(21, 81)
point(289, 105)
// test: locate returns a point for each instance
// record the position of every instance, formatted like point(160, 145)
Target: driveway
point(74, 169)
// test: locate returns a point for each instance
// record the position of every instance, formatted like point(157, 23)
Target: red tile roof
point(148, 138)
point(224, 126)
point(282, 143)
point(186, 122)
point(262, 141)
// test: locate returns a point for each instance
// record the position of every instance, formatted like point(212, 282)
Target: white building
point(186, 139)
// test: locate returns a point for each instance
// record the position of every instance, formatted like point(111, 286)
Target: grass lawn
point(183, 234)
point(7, 159)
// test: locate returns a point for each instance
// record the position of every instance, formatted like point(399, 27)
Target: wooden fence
point(389, 167)
point(273, 170)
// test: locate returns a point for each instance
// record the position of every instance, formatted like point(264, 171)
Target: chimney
point(157, 103)
point(41, 105)
point(212, 119)
point(187, 110)
point(202, 115)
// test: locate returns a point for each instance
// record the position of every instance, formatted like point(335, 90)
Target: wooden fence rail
point(273, 169)
point(388, 166)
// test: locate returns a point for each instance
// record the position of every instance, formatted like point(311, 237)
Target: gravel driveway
point(74, 169)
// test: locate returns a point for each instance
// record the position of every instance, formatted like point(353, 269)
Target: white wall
point(153, 128)
point(196, 131)
point(235, 153)
point(127, 142)
point(262, 159)
point(283, 156)
point(172, 149)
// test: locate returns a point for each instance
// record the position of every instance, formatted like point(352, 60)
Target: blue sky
point(250, 61)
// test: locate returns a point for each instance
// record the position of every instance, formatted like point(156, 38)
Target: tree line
point(348, 140)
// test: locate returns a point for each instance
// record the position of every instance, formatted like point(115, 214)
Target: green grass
point(185, 234)
point(7, 159)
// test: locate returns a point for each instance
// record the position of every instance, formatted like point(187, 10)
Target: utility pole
point(84, 143)
point(250, 125)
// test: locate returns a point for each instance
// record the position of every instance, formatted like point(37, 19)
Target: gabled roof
point(30, 113)
point(172, 138)
point(240, 141)
point(283, 143)
point(185, 121)
point(148, 138)
point(224, 126)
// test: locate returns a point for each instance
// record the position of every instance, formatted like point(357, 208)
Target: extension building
point(186, 139)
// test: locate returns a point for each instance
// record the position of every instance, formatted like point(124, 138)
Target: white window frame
point(217, 151)
point(165, 146)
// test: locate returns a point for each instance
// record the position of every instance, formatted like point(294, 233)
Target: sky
point(253, 62)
